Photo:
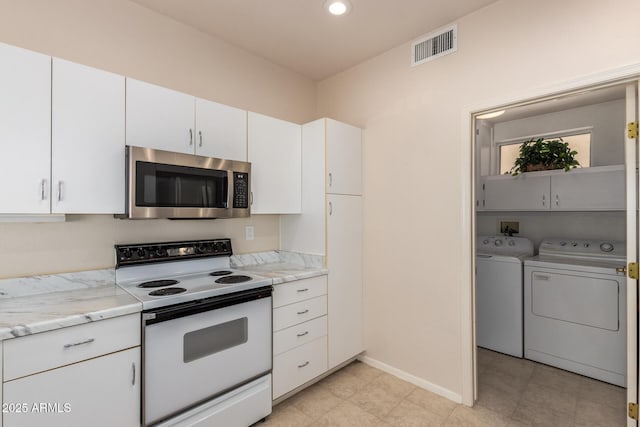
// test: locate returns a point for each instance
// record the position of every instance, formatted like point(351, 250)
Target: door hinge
point(632, 130)
point(633, 270)
point(633, 410)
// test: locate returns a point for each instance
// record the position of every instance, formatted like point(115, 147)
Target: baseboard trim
point(422, 383)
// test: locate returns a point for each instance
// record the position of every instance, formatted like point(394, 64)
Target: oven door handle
point(165, 314)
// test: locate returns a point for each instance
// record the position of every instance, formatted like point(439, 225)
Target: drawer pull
point(303, 290)
point(304, 311)
point(304, 364)
point(75, 344)
point(133, 374)
point(303, 334)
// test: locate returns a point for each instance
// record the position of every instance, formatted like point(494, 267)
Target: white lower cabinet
point(104, 391)
point(77, 376)
point(300, 333)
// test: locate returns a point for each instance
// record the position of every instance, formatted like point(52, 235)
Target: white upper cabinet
point(87, 140)
point(274, 150)
point(524, 192)
point(25, 131)
point(600, 188)
point(165, 119)
point(344, 158)
point(221, 131)
point(160, 118)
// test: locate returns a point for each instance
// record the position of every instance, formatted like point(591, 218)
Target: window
point(578, 142)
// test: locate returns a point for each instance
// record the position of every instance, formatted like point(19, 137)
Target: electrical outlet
point(248, 232)
point(509, 227)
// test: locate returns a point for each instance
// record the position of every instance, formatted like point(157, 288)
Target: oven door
point(197, 351)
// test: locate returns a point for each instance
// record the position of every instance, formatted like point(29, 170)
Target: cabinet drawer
point(297, 335)
point(288, 293)
point(293, 314)
point(40, 352)
point(297, 366)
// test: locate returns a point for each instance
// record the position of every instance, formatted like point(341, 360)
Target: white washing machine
point(499, 292)
point(575, 308)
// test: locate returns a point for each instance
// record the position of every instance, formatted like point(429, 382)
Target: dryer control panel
point(605, 250)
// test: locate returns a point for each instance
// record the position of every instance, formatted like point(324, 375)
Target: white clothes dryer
point(499, 292)
point(575, 307)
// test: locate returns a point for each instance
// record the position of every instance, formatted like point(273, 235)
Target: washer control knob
point(512, 243)
point(586, 245)
point(498, 242)
point(574, 244)
point(485, 242)
point(606, 247)
point(126, 253)
point(563, 243)
point(142, 252)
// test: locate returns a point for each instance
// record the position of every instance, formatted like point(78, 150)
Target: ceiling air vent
point(434, 45)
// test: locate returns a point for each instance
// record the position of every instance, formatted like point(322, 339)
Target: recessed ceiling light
point(490, 115)
point(337, 7)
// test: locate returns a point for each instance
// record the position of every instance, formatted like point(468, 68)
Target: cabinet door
point(344, 158)
point(25, 131)
point(101, 391)
point(275, 155)
point(525, 192)
point(221, 131)
point(160, 118)
point(87, 140)
point(597, 188)
point(344, 251)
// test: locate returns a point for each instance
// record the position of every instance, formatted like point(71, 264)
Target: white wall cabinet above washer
point(275, 153)
point(344, 158)
point(25, 131)
point(87, 140)
point(169, 120)
point(599, 188)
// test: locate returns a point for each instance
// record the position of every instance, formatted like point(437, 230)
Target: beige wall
point(122, 37)
point(413, 120)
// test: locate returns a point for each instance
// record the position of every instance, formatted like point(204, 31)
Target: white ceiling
point(301, 36)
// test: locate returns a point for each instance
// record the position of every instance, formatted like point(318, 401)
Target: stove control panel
point(143, 253)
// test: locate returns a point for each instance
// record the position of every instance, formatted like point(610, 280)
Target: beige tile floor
point(512, 392)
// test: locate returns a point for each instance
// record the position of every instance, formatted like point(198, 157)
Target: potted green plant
point(540, 154)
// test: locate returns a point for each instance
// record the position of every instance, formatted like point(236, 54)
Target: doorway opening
point(550, 299)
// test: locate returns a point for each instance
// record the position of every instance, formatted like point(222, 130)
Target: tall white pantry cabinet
point(331, 225)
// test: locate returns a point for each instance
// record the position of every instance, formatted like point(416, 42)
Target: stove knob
point(142, 252)
point(126, 253)
point(606, 247)
point(498, 242)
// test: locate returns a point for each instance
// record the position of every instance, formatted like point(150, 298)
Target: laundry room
point(550, 245)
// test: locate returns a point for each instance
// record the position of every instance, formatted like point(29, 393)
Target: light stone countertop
point(29, 305)
point(280, 266)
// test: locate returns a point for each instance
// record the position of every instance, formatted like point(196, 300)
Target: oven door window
point(161, 185)
point(214, 339)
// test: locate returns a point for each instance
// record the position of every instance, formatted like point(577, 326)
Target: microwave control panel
point(240, 190)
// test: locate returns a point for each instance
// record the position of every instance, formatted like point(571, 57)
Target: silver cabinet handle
point(540, 277)
point(75, 344)
point(59, 191)
point(304, 364)
point(544, 198)
point(330, 208)
point(303, 290)
point(43, 193)
point(304, 311)
point(251, 202)
point(133, 373)
point(330, 179)
point(557, 200)
point(200, 135)
point(303, 334)
point(190, 136)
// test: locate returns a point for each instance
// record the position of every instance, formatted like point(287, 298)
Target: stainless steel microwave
point(163, 184)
